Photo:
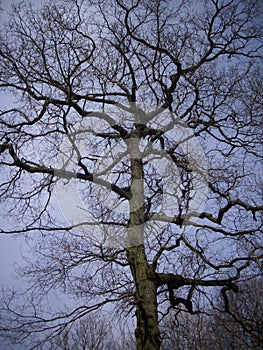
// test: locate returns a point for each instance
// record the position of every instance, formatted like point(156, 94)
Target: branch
point(177, 281)
point(61, 173)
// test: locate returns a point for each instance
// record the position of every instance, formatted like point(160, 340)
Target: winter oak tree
point(130, 114)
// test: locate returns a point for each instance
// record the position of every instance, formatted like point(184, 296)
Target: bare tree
point(131, 114)
point(94, 333)
point(242, 325)
point(91, 332)
point(241, 328)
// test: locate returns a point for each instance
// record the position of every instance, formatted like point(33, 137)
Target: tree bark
point(147, 331)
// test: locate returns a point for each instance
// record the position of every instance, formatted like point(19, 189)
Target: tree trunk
point(147, 331)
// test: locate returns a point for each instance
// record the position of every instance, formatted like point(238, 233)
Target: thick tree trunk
point(147, 331)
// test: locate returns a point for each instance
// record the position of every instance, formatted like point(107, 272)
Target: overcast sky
point(10, 246)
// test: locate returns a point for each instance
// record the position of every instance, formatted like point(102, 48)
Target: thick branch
point(62, 173)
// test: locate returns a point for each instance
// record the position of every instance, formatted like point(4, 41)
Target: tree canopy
point(142, 122)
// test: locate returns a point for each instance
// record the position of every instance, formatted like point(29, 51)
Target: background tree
point(93, 332)
point(239, 329)
point(81, 75)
